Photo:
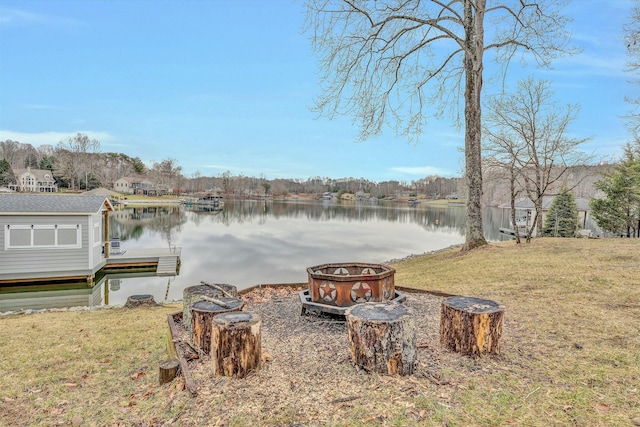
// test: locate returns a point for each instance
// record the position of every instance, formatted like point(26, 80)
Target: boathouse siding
point(52, 236)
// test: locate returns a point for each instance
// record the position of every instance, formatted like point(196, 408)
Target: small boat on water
point(213, 201)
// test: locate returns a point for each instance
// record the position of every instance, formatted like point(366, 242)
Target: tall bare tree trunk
point(474, 49)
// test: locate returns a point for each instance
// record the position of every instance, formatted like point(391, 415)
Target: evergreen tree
point(47, 162)
point(562, 218)
point(619, 211)
point(6, 173)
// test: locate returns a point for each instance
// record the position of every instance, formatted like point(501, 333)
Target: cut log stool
point(168, 370)
point(471, 326)
point(236, 343)
point(196, 293)
point(201, 314)
point(382, 337)
point(138, 300)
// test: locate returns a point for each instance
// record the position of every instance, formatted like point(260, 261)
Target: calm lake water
point(256, 242)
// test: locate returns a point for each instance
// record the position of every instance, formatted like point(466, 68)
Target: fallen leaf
point(602, 407)
point(70, 385)
point(148, 393)
point(137, 375)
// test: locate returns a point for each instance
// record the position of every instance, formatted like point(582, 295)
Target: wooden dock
point(165, 261)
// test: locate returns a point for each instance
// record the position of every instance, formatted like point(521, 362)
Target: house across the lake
point(52, 237)
point(134, 185)
point(34, 181)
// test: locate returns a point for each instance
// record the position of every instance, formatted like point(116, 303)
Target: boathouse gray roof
point(29, 204)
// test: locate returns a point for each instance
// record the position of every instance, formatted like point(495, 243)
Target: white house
point(34, 181)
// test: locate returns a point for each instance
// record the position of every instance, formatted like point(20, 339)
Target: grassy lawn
point(570, 353)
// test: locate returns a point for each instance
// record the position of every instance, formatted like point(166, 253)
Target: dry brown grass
point(572, 334)
point(570, 355)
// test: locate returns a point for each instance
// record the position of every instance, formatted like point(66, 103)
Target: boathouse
point(52, 237)
point(525, 212)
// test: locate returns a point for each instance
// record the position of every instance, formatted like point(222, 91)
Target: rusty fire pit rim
point(389, 271)
point(308, 304)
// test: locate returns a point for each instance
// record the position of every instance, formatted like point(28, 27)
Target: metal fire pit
point(339, 286)
point(316, 308)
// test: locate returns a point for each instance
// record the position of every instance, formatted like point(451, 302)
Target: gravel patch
point(310, 369)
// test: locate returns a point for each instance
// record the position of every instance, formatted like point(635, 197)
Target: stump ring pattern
point(327, 291)
point(360, 292)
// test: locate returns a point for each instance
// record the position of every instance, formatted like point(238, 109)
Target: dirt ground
point(310, 369)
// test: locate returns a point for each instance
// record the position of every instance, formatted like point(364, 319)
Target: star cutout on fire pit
point(360, 292)
point(327, 291)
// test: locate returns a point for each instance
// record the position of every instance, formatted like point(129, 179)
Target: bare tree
point(632, 39)
point(380, 59)
point(75, 158)
point(501, 157)
point(9, 150)
point(526, 133)
point(167, 175)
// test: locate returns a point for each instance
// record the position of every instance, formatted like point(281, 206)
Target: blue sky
point(226, 86)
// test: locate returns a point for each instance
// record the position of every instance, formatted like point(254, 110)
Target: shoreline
point(411, 256)
point(29, 311)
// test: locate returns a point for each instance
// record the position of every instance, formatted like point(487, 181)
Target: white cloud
point(22, 17)
point(422, 171)
point(51, 138)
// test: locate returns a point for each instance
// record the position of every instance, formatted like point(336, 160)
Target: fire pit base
point(316, 308)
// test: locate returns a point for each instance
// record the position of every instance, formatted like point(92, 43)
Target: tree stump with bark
point(168, 370)
point(201, 314)
point(471, 326)
point(236, 344)
point(196, 293)
point(382, 337)
point(138, 300)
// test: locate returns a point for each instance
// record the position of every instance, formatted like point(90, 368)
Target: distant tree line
point(78, 164)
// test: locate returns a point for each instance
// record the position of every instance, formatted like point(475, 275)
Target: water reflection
point(256, 242)
point(253, 242)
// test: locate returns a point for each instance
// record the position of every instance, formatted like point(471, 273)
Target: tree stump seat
point(138, 300)
point(168, 370)
point(193, 294)
point(236, 344)
point(471, 326)
point(382, 337)
point(201, 314)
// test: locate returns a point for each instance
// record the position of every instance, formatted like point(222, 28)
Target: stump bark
point(201, 314)
point(471, 326)
point(236, 344)
point(382, 337)
point(168, 370)
point(138, 300)
point(196, 293)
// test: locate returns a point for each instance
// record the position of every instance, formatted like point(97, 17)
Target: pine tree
point(562, 218)
point(619, 211)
